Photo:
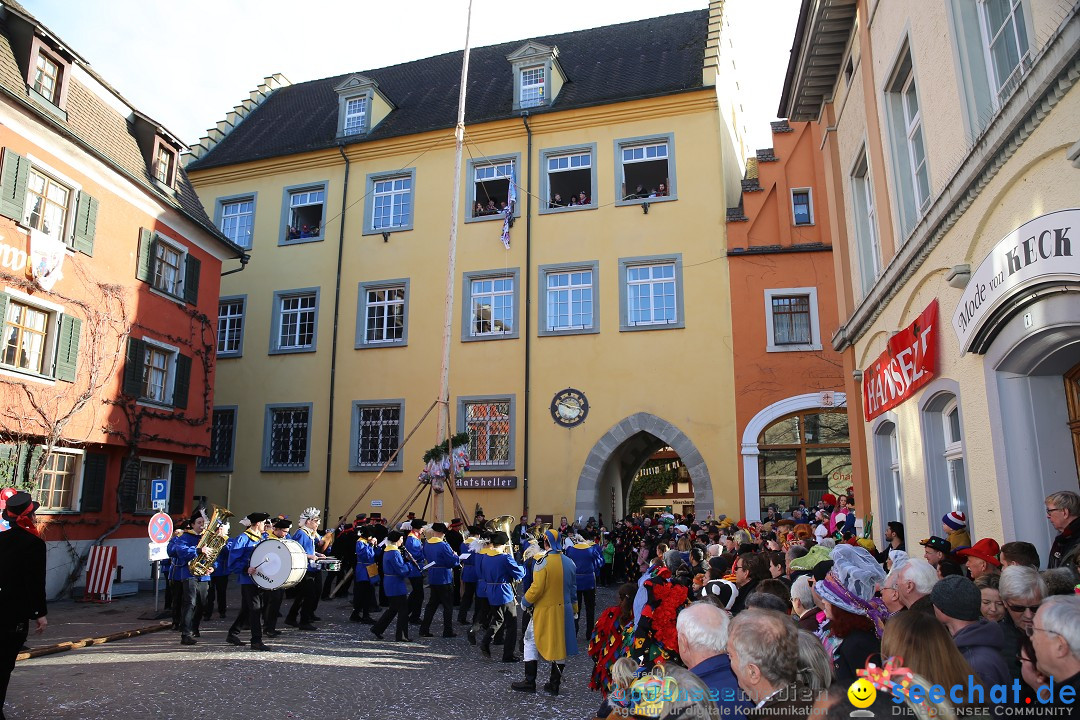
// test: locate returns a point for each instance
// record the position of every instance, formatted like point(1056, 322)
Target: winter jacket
point(1066, 546)
point(980, 644)
point(959, 539)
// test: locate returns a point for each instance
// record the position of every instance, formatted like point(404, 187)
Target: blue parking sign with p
point(159, 490)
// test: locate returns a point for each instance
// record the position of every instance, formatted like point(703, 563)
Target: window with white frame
point(1004, 33)
point(569, 300)
point(651, 294)
point(47, 78)
point(791, 319)
point(489, 428)
point(384, 311)
point(570, 180)
point(491, 306)
point(296, 321)
point(222, 440)
point(645, 171)
point(954, 455)
point(916, 144)
point(164, 164)
point(532, 86)
point(48, 205)
point(26, 337)
point(149, 471)
point(887, 461)
point(378, 434)
point(356, 115)
point(59, 479)
point(168, 268)
point(158, 364)
point(491, 187)
point(393, 203)
point(866, 231)
point(801, 208)
point(238, 221)
point(305, 213)
point(288, 437)
point(230, 335)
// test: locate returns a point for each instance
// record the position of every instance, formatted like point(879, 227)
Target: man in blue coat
point(396, 571)
point(703, 634)
point(310, 589)
point(588, 557)
point(480, 601)
point(193, 595)
point(440, 560)
point(363, 587)
point(468, 576)
point(251, 595)
point(501, 571)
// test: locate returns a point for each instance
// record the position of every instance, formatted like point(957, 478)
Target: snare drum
point(329, 564)
point(280, 564)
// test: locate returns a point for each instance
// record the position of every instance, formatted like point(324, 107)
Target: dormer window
point(537, 75)
point(360, 105)
point(532, 86)
point(356, 115)
point(164, 164)
point(47, 78)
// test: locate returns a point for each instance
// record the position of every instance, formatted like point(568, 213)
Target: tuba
point(203, 564)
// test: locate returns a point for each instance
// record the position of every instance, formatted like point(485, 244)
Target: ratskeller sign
point(910, 360)
point(1039, 251)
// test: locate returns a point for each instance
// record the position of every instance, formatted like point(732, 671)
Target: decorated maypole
point(443, 432)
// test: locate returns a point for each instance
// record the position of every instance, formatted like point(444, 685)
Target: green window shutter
point(4, 297)
point(9, 462)
point(67, 350)
point(191, 279)
point(13, 177)
point(85, 223)
point(133, 368)
point(29, 462)
point(95, 466)
point(144, 271)
point(183, 381)
point(178, 489)
point(129, 485)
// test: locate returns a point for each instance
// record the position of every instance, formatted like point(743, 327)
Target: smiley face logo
point(862, 694)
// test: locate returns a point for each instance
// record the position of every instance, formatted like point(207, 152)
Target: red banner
point(908, 363)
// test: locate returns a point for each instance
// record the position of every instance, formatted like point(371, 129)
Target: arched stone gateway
point(619, 454)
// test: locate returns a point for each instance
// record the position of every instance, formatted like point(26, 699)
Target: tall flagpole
point(444, 379)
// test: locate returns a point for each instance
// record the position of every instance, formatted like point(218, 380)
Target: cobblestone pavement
point(341, 671)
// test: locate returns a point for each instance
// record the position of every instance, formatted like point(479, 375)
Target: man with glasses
point(1022, 591)
point(1063, 512)
point(1056, 638)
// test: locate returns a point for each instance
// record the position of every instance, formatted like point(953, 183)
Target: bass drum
point(279, 564)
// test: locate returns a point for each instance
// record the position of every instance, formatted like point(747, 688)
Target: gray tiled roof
point(646, 58)
point(97, 125)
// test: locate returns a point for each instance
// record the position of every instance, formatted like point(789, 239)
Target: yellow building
point(600, 335)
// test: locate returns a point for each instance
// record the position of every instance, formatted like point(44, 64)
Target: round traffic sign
point(160, 528)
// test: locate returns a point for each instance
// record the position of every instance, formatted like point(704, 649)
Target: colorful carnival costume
point(656, 641)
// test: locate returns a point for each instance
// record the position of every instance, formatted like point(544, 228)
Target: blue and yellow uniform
point(364, 585)
point(442, 559)
point(396, 572)
point(310, 590)
point(414, 545)
point(588, 557)
point(193, 590)
point(468, 581)
point(251, 595)
point(551, 634)
point(501, 571)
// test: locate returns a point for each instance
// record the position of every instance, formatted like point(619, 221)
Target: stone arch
point(621, 436)
point(754, 428)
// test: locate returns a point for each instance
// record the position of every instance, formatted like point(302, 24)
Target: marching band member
point(279, 529)
point(501, 570)
point(311, 586)
point(396, 576)
point(251, 596)
point(480, 601)
point(175, 587)
point(363, 589)
point(551, 634)
point(414, 545)
point(455, 538)
point(589, 558)
point(193, 595)
point(443, 560)
point(467, 555)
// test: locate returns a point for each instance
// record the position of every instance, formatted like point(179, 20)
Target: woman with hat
point(22, 583)
point(856, 618)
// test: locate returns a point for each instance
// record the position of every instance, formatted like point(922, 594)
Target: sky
point(186, 64)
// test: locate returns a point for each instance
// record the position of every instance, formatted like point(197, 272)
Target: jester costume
point(609, 642)
point(656, 641)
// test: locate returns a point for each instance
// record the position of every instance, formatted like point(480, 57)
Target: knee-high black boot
point(552, 685)
point(529, 683)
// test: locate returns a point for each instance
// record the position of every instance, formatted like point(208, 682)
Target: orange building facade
point(789, 399)
point(109, 279)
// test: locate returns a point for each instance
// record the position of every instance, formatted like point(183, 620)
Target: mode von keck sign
point(908, 363)
point(1039, 252)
